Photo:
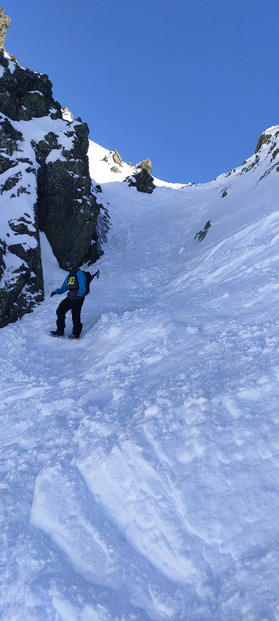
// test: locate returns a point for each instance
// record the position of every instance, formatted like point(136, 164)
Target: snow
point(54, 156)
point(140, 465)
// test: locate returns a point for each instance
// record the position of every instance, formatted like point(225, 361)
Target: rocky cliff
point(45, 186)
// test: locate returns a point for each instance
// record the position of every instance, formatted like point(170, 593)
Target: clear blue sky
point(191, 84)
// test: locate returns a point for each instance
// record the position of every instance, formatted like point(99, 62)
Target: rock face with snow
point(45, 185)
point(142, 178)
point(143, 181)
point(268, 137)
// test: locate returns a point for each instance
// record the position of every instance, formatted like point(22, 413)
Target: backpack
point(90, 277)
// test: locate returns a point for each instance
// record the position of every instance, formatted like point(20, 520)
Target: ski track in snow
point(139, 466)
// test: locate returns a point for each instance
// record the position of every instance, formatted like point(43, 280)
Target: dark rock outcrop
point(20, 259)
point(24, 94)
point(264, 138)
point(202, 234)
point(67, 209)
point(45, 186)
point(142, 180)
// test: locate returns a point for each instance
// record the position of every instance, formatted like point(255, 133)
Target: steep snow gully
point(140, 465)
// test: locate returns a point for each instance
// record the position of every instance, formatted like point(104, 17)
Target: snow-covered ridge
point(101, 162)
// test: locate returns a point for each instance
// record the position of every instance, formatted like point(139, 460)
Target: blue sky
point(191, 84)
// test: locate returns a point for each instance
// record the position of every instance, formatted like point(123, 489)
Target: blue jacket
point(75, 284)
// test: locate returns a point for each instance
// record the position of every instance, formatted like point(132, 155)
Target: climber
point(75, 284)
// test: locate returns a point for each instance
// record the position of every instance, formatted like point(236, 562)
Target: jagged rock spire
point(4, 24)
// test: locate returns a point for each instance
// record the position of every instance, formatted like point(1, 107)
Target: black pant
point(75, 307)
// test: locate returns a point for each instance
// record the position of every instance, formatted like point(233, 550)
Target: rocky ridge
point(45, 186)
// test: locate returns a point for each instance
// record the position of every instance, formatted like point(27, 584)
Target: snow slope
point(140, 465)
